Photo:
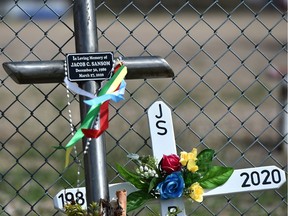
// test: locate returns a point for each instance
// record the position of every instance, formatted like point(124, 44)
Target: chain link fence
point(228, 93)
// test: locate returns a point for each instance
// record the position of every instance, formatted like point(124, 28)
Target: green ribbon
point(93, 111)
point(110, 86)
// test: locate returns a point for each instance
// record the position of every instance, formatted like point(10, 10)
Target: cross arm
point(143, 67)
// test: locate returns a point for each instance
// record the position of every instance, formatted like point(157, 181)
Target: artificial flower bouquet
point(173, 177)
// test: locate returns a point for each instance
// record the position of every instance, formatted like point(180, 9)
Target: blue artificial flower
point(172, 186)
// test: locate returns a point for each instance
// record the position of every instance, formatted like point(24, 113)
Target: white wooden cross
point(163, 142)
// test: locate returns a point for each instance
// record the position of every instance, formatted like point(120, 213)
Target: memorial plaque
point(89, 66)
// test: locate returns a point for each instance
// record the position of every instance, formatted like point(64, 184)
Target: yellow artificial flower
point(183, 158)
point(191, 166)
point(196, 192)
point(193, 154)
point(190, 159)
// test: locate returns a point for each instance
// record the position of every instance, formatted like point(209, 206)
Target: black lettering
point(69, 197)
point(80, 198)
point(61, 196)
point(245, 180)
point(161, 114)
point(255, 178)
point(278, 176)
point(266, 178)
point(159, 127)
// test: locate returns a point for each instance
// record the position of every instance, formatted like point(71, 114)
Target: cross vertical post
point(163, 143)
point(86, 41)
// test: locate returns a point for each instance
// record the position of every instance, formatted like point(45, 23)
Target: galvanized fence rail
point(228, 93)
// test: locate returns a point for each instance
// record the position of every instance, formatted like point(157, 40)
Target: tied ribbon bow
point(113, 90)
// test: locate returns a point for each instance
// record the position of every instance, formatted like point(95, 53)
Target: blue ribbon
point(115, 96)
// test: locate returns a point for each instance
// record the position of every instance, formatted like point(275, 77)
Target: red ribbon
point(92, 133)
point(104, 117)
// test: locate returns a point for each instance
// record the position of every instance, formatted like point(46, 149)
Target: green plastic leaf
point(190, 178)
point(137, 199)
point(204, 159)
point(205, 156)
point(215, 177)
point(133, 178)
point(153, 183)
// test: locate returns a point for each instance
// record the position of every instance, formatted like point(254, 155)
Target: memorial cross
point(242, 180)
point(86, 41)
point(163, 142)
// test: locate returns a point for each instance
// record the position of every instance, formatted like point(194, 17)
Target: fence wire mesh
point(228, 93)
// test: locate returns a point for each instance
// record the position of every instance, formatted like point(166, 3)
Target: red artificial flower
point(170, 163)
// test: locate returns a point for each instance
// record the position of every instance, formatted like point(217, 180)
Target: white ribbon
point(74, 88)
